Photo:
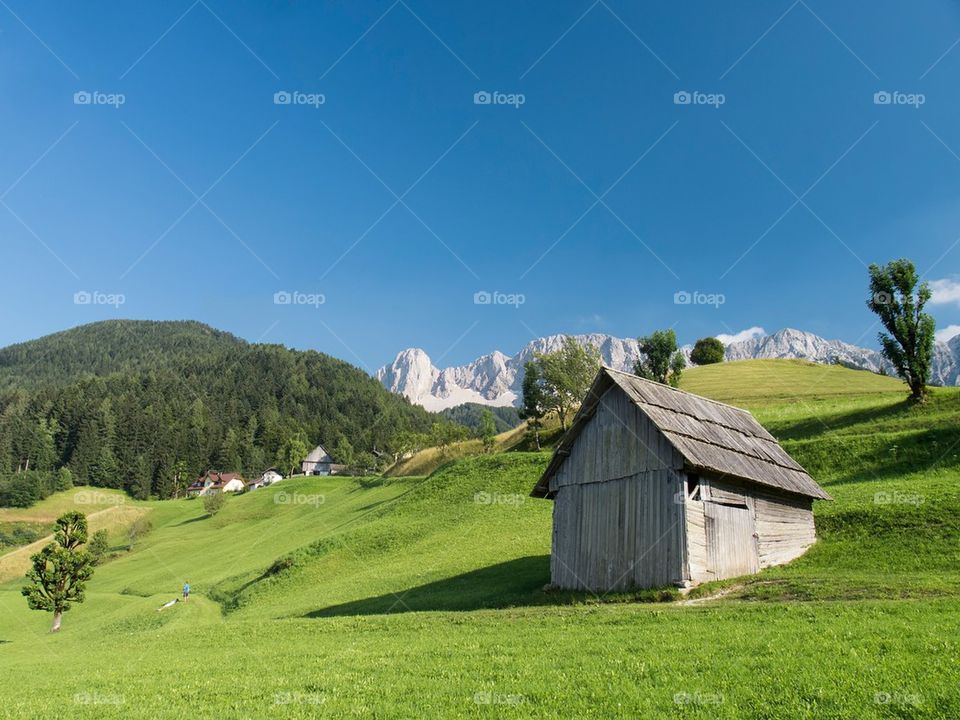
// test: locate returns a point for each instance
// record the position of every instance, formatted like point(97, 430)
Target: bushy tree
point(214, 502)
point(59, 572)
point(533, 406)
point(343, 452)
point(98, 546)
point(898, 301)
point(488, 431)
point(660, 360)
point(292, 452)
point(566, 376)
point(707, 351)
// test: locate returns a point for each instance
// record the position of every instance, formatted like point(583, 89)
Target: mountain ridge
point(496, 378)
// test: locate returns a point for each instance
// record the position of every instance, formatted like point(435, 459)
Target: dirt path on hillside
point(16, 562)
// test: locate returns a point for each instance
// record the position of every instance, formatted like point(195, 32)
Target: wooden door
point(731, 540)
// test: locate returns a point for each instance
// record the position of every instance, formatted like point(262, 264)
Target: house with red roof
point(213, 482)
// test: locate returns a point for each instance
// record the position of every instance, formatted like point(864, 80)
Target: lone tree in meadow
point(660, 360)
point(60, 571)
point(534, 402)
point(707, 351)
point(898, 301)
point(567, 375)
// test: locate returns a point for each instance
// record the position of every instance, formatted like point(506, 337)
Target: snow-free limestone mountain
point(496, 379)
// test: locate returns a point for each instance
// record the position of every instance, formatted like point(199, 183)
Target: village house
point(653, 486)
point(268, 477)
point(214, 482)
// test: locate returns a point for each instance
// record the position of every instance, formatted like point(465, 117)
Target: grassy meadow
point(421, 595)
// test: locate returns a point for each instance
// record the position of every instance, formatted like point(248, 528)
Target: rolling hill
point(421, 596)
point(129, 404)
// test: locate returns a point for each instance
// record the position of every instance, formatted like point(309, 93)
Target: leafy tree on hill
point(898, 301)
point(343, 452)
point(214, 502)
point(59, 572)
point(566, 376)
point(488, 431)
point(444, 434)
point(707, 351)
point(98, 546)
point(292, 453)
point(534, 400)
point(660, 360)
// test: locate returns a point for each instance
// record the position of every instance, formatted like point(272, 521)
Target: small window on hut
point(693, 487)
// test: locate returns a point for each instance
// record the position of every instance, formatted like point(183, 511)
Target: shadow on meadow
point(825, 423)
point(515, 582)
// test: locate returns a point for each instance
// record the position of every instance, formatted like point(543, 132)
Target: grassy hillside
point(421, 597)
point(130, 403)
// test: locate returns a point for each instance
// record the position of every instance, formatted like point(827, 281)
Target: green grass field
point(422, 596)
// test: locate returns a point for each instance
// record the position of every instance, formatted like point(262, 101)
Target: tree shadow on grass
point(827, 423)
point(507, 584)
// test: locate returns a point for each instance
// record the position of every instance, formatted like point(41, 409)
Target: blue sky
point(587, 188)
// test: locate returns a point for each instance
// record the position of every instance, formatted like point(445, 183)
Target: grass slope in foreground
point(421, 597)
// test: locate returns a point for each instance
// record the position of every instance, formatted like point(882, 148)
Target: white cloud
point(950, 331)
point(945, 291)
point(747, 334)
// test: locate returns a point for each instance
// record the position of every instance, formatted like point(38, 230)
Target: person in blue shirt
point(186, 591)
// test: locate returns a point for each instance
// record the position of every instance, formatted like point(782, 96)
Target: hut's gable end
point(619, 441)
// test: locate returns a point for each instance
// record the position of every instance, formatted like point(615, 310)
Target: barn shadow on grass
point(507, 584)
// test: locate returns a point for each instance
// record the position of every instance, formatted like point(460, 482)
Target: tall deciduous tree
point(488, 430)
point(898, 301)
point(660, 360)
point(534, 401)
point(59, 572)
point(567, 375)
point(292, 453)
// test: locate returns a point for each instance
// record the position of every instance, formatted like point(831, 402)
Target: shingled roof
point(711, 436)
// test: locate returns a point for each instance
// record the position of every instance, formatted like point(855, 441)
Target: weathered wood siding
point(719, 533)
point(696, 537)
point(785, 528)
point(618, 513)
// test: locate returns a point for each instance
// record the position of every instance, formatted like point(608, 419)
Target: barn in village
point(653, 486)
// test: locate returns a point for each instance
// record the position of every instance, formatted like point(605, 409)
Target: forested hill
point(108, 347)
point(142, 405)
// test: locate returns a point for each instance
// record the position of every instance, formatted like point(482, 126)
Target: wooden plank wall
point(618, 524)
point(696, 543)
point(783, 523)
point(785, 528)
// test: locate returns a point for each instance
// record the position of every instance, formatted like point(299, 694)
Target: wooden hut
point(653, 486)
